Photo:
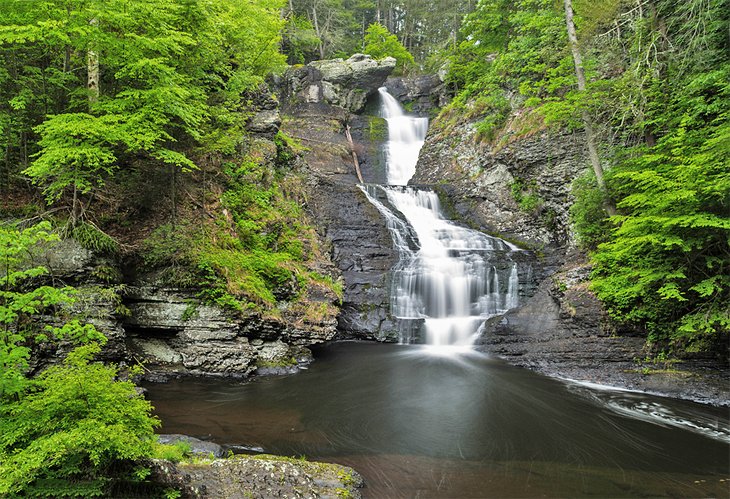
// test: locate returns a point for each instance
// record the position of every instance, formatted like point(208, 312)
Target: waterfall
point(449, 278)
point(406, 135)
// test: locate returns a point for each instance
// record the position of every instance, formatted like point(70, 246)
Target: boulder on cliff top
point(339, 82)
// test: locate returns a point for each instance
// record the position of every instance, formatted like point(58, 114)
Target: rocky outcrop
point(518, 187)
point(563, 331)
point(423, 95)
point(172, 331)
point(262, 477)
point(360, 243)
point(344, 83)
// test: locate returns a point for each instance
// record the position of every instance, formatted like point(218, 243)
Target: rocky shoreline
point(564, 332)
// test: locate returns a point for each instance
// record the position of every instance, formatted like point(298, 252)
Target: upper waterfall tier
point(406, 135)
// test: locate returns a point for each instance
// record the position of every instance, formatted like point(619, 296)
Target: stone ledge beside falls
point(339, 82)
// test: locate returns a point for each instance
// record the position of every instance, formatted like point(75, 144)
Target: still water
point(461, 425)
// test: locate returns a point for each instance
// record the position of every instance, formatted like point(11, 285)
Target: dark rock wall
point(479, 179)
point(360, 243)
point(423, 95)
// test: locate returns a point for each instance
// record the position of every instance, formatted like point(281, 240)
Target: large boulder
point(339, 82)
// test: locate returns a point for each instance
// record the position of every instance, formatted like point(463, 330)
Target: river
point(418, 422)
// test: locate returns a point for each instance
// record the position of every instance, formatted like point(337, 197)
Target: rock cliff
point(318, 101)
point(516, 187)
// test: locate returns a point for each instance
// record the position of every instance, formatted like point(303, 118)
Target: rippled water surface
point(419, 423)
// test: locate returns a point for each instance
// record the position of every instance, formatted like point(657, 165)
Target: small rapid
point(449, 278)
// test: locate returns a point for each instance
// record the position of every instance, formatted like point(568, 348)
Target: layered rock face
point(318, 101)
point(170, 329)
point(486, 182)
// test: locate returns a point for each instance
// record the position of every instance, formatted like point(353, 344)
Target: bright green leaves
point(172, 75)
point(76, 150)
point(19, 302)
point(667, 263)
point(61, 431)
point(74, 423)
point(380, 43)
point(518, 47)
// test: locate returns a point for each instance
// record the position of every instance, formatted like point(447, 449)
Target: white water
point(406, 135)
point(450, 276)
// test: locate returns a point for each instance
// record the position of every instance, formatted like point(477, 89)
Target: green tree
point(380, 43)
point(60, 432)
point(170, 78)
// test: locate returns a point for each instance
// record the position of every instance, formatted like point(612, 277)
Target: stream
point(430, 417)
point(419, 423)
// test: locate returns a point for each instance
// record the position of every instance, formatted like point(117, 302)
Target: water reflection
point(462, 425)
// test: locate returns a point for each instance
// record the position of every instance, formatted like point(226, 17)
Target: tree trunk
point(319, 33)
point(581, 77)
point(173, 194)
point(92, 75)
point(75, 211)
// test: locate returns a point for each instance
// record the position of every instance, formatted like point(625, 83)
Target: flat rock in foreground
point(260, 477)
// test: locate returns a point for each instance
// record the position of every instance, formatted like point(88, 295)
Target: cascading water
point(406, 135)
point(450, 277)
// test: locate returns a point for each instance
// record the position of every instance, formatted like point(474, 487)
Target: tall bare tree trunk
point(92, 70)
point(581, 77)
point(316, 30)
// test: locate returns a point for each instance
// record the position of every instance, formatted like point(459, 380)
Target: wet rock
point(564, 331)
point(363, 250)
point(259, 477)
point(359, 241)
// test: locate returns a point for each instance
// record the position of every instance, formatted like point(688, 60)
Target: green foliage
point(380, 43)
point(255, 254)
point(92, 238)
point(62, 431)
point(587, 215)
point(525, 196)
point(19, 301)
point(666, 264)
point(172, 78)
point(71, 425)
point(300, 40)
point(75, 150)
point(510, 48)
point(175, 452)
